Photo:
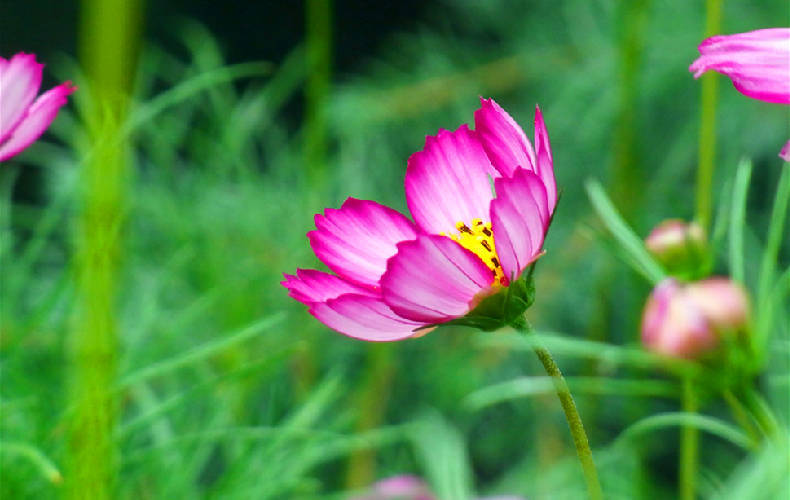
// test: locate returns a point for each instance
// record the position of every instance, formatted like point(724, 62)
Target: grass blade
point(738, 219)
point(629, 241)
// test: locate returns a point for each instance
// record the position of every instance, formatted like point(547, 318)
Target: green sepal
point(505, 307)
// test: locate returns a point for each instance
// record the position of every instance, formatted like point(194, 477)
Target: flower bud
point(687, 321)
point(680, 247)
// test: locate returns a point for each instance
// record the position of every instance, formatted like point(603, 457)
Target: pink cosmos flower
point(757, 62)
point(23, 119)
point(393, 276)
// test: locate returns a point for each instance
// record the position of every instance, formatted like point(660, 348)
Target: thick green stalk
point(109, 40)
point(689, 444)
point(319, 63)
point(707, 130)
point(580, 440)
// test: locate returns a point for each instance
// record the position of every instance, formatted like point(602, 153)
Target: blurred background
point(175, 365)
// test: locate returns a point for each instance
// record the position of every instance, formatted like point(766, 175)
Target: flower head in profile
point(757, 62)
point(23, 117)
point(689, 320)
point(481, 202)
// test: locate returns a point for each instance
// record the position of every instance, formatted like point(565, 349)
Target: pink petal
point(757, 62)
point(20, 79)
point(363, 317)
point(503, 139)
point(449, 181)
point(39, 116)
point(545, 160)
point(356, 240)
point(519, 220)
point(433, 279)
point(310, 286)
point(785, 152)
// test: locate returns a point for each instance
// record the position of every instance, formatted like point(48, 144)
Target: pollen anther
point(479, 239)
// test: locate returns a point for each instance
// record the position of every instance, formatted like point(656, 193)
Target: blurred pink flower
point(757, 62)
point(687, 321)
point(412, 488)
point(394, 276)
point(23, 119)
point(400, 488)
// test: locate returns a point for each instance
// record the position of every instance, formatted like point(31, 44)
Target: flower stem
point(689, 444)
point(707, 130)
point(580, 440)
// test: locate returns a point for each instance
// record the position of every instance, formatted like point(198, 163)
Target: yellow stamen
point(479, 239)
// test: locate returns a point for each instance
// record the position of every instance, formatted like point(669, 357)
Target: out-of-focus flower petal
point(785, 152)
point(519, 219)
point(449, 181)
point(310, 285)
point(363, 317)
point(20, 79)
point(356, 240)
point(503, 139)
point(757, 62)
point(39, 116)
point(545, 169)
point(433, 279)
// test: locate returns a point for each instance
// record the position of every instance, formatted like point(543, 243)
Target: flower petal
point(20, 79)
point(545, 168)
point(504, 141)
point(433, 279)
point(449, 181)
point(757, 62)
point(363, 317)
point(356, 240)
point(310, 285)
point(39, 116)
point(785, 152)
point(519, 220)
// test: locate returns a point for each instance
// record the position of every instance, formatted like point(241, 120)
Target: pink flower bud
point(686, 321)
point(679, 246)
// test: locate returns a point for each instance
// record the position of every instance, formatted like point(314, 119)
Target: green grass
point(226, 388)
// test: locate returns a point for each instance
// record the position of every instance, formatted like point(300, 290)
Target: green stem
point(319, 63)
point(689, 443)
point(580, 440)
point(110, 34)
point(707, 131)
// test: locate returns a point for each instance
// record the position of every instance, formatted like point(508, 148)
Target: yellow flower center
point(479, 239)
